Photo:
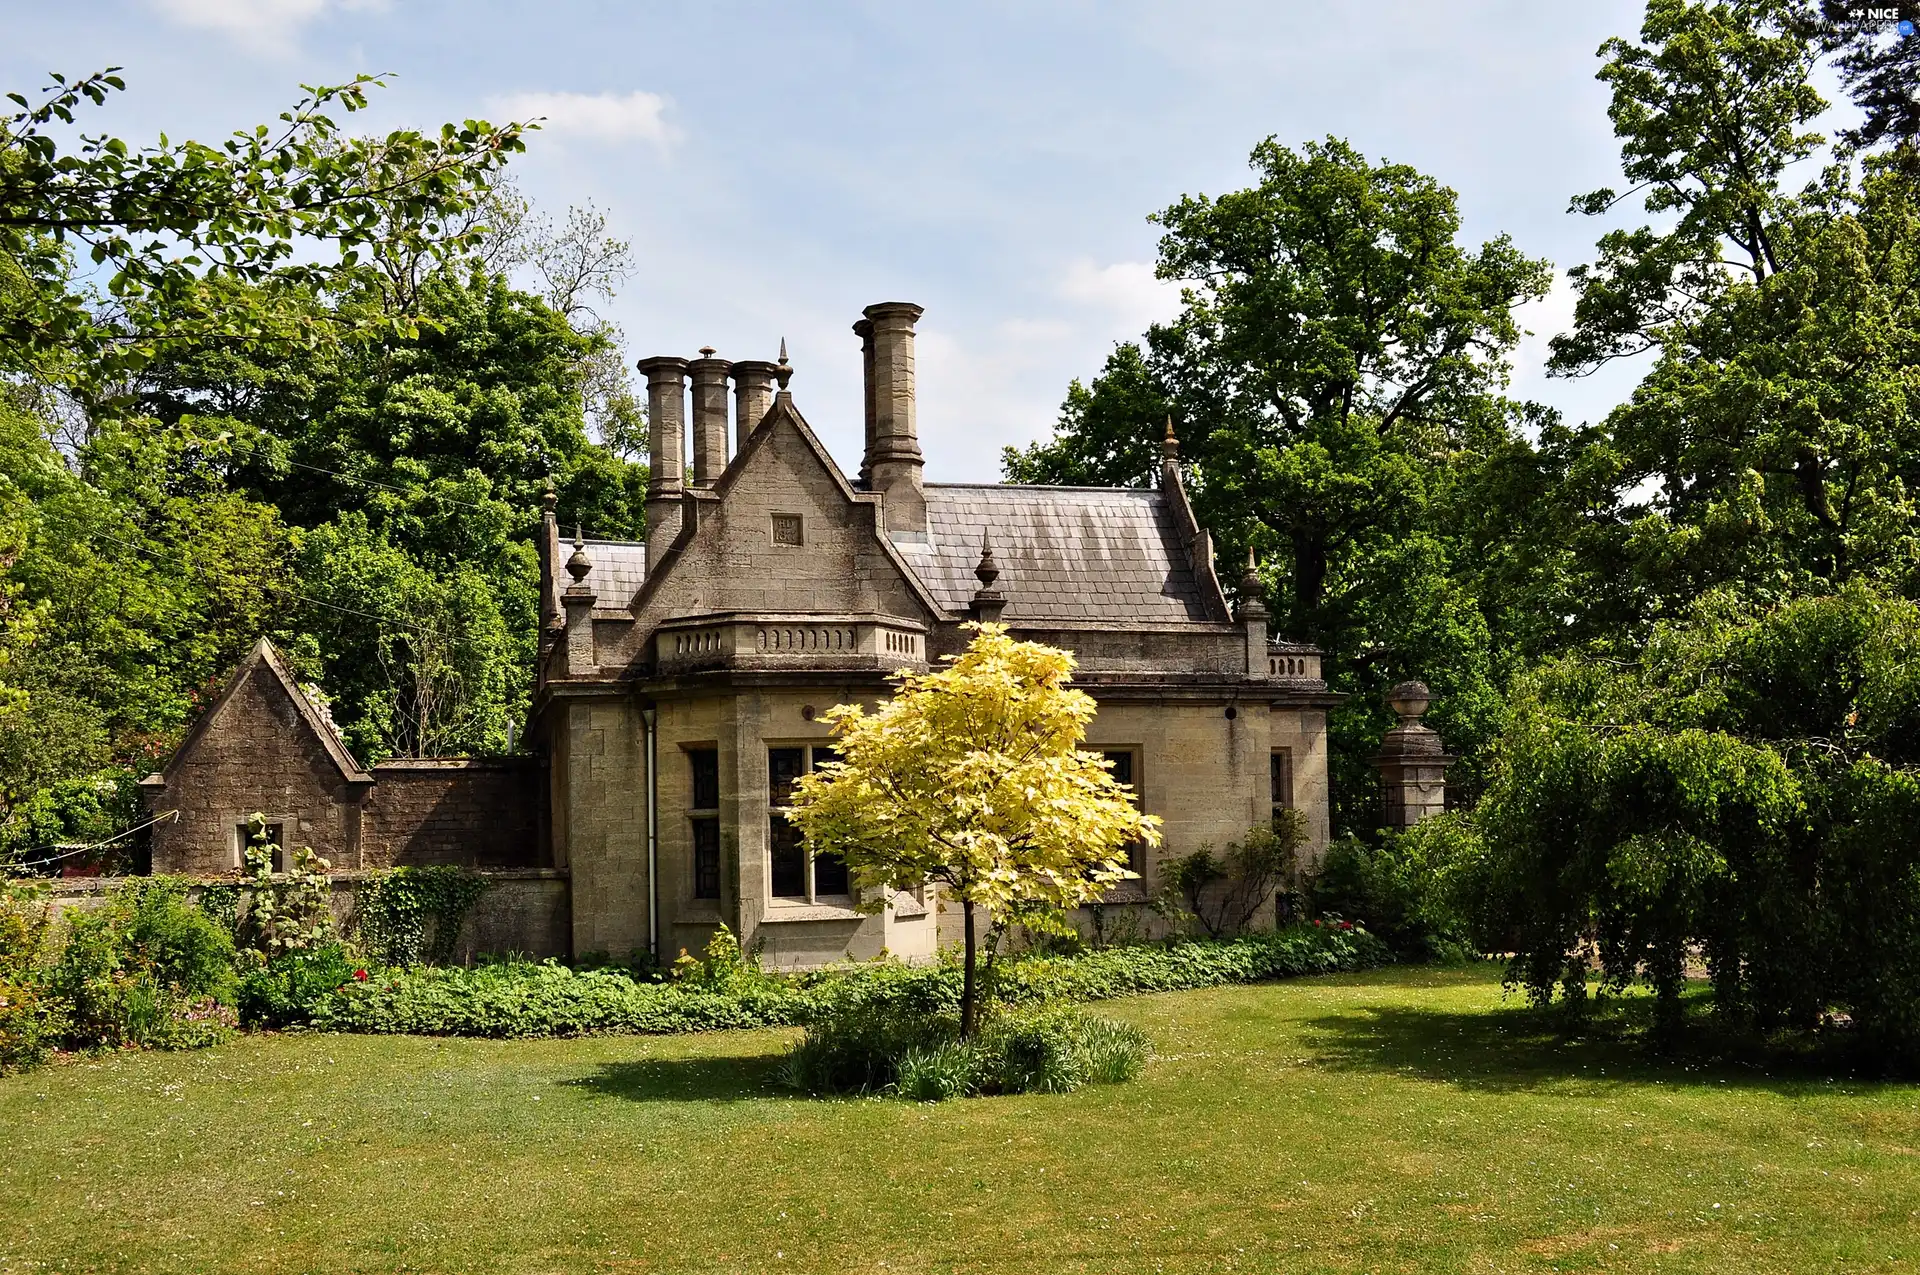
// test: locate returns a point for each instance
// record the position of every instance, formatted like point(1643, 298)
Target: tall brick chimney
point(666, 447)
point(893, 460)
point(709, 417)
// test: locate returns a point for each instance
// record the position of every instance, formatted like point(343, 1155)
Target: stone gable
point(729, 556)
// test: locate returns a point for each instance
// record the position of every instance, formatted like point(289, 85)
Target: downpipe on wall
point(651, 717)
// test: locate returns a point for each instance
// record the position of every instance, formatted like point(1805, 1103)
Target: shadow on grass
point(1521, 1048)
point(685, 1079)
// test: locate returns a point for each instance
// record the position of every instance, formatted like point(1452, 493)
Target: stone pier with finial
point(577, 601)
point(1412, 761)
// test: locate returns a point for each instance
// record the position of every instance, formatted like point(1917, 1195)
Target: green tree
point(1771, 445)
point(164, 229)
point(973, 777)
point(1338, 365)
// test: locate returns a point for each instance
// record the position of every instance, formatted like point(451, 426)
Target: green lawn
point(1398, 1121)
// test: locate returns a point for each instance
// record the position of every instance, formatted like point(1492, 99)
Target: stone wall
point(525, 911)
point(255, 753)
point(480, 813)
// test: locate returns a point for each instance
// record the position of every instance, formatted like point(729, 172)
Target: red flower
point(1316, 920)
point(1346, 925)
point(360, 976)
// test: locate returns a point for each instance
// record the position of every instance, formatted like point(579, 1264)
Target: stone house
point(682, 681)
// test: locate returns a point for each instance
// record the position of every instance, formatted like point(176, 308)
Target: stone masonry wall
point(523, 911)
point(256, 755)
point(454, 810)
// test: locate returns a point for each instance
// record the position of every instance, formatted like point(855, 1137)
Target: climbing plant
point(412, 916)
point(290, 912)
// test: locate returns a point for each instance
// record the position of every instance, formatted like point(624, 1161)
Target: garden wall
point(523, 910)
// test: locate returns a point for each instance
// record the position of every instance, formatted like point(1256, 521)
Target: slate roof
point(1066, 554)
point(619, 569)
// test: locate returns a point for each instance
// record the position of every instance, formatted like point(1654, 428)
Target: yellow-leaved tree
point(972, 776)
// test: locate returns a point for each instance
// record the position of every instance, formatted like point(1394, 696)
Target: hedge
point(520, 999)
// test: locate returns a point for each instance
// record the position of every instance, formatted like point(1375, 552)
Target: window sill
point(780, 911)
point(905, 905)
point(1125, 892)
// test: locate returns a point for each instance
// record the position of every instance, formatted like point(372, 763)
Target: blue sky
point(778, 166)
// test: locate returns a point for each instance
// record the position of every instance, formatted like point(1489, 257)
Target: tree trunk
point(1309, 573)
point(967, 991)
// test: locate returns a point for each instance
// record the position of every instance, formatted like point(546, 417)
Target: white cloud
point(264, 26)
point(1127, 293)
point(595, 117)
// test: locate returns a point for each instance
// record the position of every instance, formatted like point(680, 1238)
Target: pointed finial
point(1250, 582)
point(548, 499)
point(782, 372)
point(988, 571)
point(1170, 446)
point(579, 564)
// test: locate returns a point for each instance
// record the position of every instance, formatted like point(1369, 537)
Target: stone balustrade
point(747, 641)
point(1290, 662)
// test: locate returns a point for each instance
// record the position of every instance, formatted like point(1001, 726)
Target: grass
point(1399, 1120)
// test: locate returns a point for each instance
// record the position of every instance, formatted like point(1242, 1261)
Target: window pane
point(784, 765)
point(1280, 778)
point(705, 763)
point(830, 875)
point(1122, 771)
point(706, 858)
point(788, 860)
point(823, 753)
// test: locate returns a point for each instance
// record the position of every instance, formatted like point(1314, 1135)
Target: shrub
point(144, 968)
point(1405, 890)
point(1028, 1049)
point(30, 1024)
point(1223, 891)
point(286, 990)
point(529, 998)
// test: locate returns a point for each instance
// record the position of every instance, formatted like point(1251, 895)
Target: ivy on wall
point(412, 916)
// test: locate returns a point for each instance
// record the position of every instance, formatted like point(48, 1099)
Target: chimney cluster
point(667, 428)
point(890, 464)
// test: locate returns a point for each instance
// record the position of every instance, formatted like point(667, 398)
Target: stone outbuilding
point(266, 747)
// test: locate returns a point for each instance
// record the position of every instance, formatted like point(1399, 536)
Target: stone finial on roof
point(1252, 591)
point(548, 499)
point(1170, 445)
point(781, 371)
point(579, 564)
point(988, 602)
point(988, 571)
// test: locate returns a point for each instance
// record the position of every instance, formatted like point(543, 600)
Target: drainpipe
point(650, 716)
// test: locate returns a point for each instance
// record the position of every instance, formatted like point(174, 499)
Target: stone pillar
point(1412, 765)
point(709, 417)
point(752, 397)
point(1253, 618)
point(893, 460)
point(578, 603)
point(667, 449)
point(864, 330)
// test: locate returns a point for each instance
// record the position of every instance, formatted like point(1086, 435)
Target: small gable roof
point(1088, 555)
point(264, 656)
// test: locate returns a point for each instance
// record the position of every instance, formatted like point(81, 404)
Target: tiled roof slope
point(619, 569)
point(1066, 554)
